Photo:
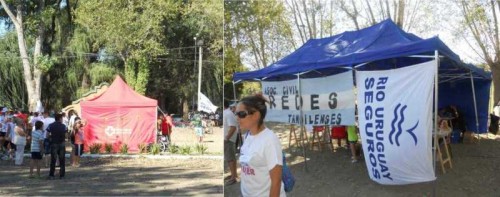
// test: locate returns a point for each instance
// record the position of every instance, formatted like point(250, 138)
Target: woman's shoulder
point(269, 134)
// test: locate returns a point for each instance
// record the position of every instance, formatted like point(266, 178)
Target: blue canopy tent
point(385, 46)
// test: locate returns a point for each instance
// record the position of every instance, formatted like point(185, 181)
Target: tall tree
point(19, 12)
point(130, 29)
point(481, 20)
point(12, 86)
point(261, 28)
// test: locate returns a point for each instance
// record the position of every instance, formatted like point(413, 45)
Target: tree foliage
point(150, 43)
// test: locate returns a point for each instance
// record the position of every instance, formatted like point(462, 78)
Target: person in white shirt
point(36, 117)
point(47, 120)
point(261, 157)
point(19, 140)
point(230, 124)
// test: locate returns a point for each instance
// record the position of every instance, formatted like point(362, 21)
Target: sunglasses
point(243, 114)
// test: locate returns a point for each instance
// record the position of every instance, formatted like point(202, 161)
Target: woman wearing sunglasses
point(261, 157)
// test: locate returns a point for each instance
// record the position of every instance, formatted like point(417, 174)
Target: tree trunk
point(307, 19)
point(495, 71)
point(37, 73)
point(185, 108)
point(401, 13)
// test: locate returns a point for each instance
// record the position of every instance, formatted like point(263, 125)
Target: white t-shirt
point(496, 110)
point(33, 121)
point(19, 140)
point(260, 154)
point(229, 121)
point(46, 122)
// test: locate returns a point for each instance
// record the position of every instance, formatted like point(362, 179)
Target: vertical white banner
point(326, 100)
point(395, 118)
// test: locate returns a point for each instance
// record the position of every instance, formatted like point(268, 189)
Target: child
point(36, 148)
point(198, 126)
point(352, 137)
point(78, 142)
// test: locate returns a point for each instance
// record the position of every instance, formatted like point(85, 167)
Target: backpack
point(287, 176)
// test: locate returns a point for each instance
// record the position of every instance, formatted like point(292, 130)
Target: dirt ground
point(474, 173)
point(122, 176)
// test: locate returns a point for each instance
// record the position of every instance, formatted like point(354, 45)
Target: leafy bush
point(186, 150)
point(173, 148)
point(124, 149)
point(108, 148)
point(154, 149)
point(143, 148)
point(95, 148)
point(201, 148)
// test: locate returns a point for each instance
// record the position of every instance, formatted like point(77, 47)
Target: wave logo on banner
point(399, 123)
point(395, 123)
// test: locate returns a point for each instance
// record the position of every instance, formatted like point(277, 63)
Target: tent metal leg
point(435, 144)
point(302, 127)
point(475, 105)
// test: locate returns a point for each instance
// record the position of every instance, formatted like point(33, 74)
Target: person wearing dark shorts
point(57, 135)
point(230, 133)
point(36, 148)
point(78, 150)
point(47, 151)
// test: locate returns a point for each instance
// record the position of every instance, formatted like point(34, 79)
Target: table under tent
point(384, 46)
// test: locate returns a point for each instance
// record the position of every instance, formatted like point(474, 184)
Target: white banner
point(395, 118)
point(326, 100)
point(204, 104)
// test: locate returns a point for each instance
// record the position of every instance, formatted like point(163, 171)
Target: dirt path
point(116, 176)
point(475, 173)
point(131, 177)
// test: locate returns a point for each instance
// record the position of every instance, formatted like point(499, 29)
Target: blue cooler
point(455, 137)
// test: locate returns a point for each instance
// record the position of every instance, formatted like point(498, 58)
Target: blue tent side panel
point(459, 93)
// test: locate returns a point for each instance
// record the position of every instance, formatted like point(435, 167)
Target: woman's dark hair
point(254, 103)
point(38, 125)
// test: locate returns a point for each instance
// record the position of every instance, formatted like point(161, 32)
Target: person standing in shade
point(78, 150)
point(352, 137)
point(57, 134)
point(47, 120)
point(19, 140)
point(230, 124)
point(36, 148)
point(261, 157)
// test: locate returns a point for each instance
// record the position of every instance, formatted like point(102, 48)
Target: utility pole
point(194, 68)
point(200, 51)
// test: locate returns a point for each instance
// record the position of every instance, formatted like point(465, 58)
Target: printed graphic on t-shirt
point(247, 170)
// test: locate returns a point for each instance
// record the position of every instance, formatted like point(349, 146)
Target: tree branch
point(9, 12)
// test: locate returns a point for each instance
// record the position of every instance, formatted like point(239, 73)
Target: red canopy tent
point(119, 116)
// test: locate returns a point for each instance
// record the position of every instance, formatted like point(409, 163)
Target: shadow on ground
point(474, 173)
point(117, 176)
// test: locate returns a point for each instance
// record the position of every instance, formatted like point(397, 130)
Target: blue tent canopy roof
point(379, 42)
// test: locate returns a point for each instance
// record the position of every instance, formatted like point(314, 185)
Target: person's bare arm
point(275, 174)
point(20, 132)
point(230, 133)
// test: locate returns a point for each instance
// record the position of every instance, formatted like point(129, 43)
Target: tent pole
point(436, 86)
point(475, 104)
point(234, 91)
point(302, 124)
